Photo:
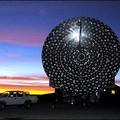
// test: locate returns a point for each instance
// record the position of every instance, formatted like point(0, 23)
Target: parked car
point(17, 98)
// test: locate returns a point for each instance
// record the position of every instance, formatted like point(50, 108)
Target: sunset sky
point(24, 27)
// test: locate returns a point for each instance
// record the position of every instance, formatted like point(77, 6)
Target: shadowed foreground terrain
point(63, 111)
point(43, 110)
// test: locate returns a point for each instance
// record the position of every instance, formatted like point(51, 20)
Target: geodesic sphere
point(81, 55)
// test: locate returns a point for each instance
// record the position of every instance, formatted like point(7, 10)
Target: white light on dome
point(75, 34)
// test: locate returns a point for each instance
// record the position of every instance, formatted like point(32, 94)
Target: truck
point(19, 98)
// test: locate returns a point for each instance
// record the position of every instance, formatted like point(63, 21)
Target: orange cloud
point(31, 89)
point(35, 85)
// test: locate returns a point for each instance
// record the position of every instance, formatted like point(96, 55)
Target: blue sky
point(24, 26)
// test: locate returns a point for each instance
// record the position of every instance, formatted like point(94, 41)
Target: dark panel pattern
point(81, 56)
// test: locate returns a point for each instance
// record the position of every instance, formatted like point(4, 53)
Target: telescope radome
point(81, 55)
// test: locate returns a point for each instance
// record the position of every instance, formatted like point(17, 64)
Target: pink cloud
point(117, 82)
point(24, 78)
point(13, 55)
point(23, 37)
point(35, 85)
point(24, 81)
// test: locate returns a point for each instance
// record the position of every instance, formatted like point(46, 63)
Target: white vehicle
point(17, 98)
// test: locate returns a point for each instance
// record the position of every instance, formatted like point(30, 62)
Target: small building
point(110, 95)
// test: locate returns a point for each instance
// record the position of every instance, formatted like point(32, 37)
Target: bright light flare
point(74, 33)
